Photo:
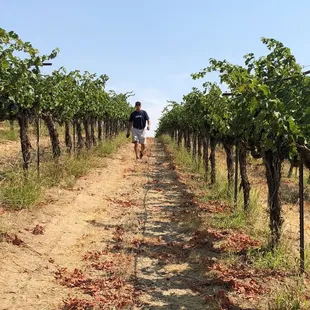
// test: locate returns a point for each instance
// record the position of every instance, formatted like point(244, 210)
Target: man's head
point(138, 106)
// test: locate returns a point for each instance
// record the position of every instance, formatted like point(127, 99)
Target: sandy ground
point(126, 211)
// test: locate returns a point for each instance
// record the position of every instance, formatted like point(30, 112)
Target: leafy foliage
point(266, 112)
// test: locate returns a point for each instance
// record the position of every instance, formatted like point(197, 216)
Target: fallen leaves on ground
point(244, 282)
point(11, 239)
point(38, 230)
point(78, 304)
point(122, 203)
point(94, 255)
point(223, 240)
point(212, 206)
point(107, 290)
point(237, 242)
point(118, 234)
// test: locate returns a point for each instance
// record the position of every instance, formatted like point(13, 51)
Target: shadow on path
point(167, 267)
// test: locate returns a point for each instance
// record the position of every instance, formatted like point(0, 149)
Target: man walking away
point(137, 123)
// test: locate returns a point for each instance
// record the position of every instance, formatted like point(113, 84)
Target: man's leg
point(142, 150)
point(136, 148)
point(142, 142)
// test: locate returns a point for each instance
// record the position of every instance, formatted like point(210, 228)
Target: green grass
point(279, 258)
point(65, 171)
point(8, 134)
point(218, 191)
point(181, 156)
point(21, 192)
point(107, 147)
point(18, 191)
point(291, 297)
point(235, 220)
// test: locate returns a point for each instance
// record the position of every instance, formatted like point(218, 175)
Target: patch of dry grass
point(23, 190)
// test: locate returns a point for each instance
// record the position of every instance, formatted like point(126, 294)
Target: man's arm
point(148, 121)
point(129, 128)
point(130, 123)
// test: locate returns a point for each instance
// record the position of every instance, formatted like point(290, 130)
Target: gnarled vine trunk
point(244, 176)
point(88, 141)
point(50, 124)
point(24, 140)
point(228, 147)
point(188, 141)
point(100, 130)
point(68, 139)
point(212, 159)
point(199, 146)
point(80, 140)
point(206, 141)
point(113, 128)
point(92, 131)
point(106, 128)
point(194, 150)
point(185, 138)
point(180, 136)
point(273, 163)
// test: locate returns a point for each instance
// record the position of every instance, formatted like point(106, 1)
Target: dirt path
point(166, 272)
point(119, 239)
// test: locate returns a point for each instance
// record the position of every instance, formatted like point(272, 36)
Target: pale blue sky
point(152, 46)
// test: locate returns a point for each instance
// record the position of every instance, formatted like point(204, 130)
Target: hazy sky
point(151, 47)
